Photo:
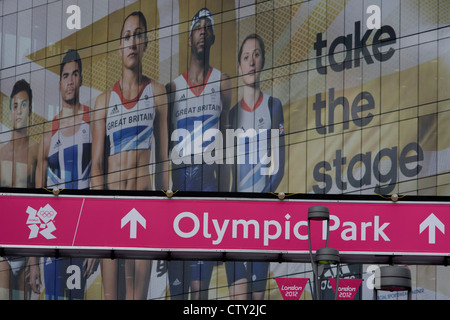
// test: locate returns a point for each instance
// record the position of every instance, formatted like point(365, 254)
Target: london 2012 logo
point(41, 222)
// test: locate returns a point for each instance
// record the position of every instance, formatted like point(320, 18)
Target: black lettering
point(337, 163)
point(318, 46)
point(391, 175)
point(378, 43)
point(318, 105)
point(361, 46)
point(383, 37)
point(347, 63)
point(322, 177)
point(405, 159)
point(333, 103)
point(384, 170)
point(365, 159)
point(356, 108)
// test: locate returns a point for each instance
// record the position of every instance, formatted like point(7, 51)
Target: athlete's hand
point(33, 276)
point(90, 265)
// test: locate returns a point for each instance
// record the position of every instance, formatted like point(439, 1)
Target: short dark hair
point(261, 44)
point(71, 55)
point(141, 19)
point(19, 86)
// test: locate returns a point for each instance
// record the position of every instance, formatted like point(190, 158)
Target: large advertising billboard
point(244, 96)
point(326, 97)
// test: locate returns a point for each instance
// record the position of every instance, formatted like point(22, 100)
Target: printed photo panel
point(338, 80)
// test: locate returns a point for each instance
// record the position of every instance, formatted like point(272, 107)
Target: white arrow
point(432, 222)
point(133, 217)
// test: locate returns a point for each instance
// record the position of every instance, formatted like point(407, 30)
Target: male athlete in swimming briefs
point(18, 159)
point(200, 99)
point(64, 161)
point(259, 111)
point(128, 116)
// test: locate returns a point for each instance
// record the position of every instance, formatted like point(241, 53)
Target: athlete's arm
point(225, 96)
point(277, 123)
point(42, 159)
point(98, 142)
point(161, 138)
point(232, 119)
point(33, 150)
point(170, 89)
point(90, 265)
point(33, 274)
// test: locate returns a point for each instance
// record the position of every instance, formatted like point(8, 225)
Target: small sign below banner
point(291, 288)
point(347, 288)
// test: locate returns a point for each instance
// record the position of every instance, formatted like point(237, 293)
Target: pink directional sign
point(221, 225)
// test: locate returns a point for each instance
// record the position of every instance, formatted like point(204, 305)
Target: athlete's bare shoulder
point(158, 88)
point(225, 81)
point(5, 151)
point(102, 101)
point(224, 76)
point(159, 93)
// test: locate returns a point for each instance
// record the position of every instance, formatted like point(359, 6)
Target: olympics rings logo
point(47, 214)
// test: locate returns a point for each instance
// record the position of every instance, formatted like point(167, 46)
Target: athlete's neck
point(70, 108)
point(20, 136)
point(198, 69)
point(130, 83)
point(251, 95)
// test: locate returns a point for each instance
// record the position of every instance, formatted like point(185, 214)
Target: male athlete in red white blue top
point(64, 161)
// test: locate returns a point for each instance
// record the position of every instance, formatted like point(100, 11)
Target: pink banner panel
point(243, 225)
point(347, 288)
point(291, 288)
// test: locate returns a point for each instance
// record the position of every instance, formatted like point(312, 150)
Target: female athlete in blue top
point(256, 111)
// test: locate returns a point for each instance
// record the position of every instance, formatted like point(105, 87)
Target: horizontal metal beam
point(269, 256)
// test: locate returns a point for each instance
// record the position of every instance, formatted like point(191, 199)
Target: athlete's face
point(20, 110)
point(133, 42)
point(202, 36)
point(70, 82)
point(251, 62)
